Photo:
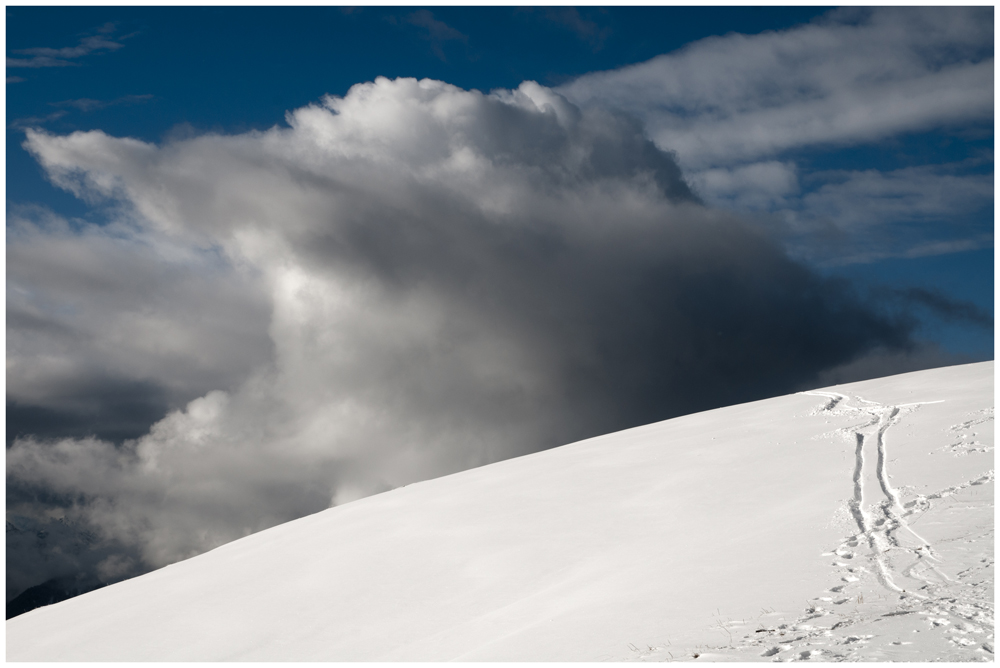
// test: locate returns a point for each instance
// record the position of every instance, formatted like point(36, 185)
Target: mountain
point(853, 522)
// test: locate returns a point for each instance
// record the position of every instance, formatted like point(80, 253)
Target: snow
point(853, 522)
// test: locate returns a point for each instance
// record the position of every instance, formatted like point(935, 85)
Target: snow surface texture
point(850, 523)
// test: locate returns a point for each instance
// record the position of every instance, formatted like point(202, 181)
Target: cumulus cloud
point(111, 326)
point(855, 75)
point(451, 279)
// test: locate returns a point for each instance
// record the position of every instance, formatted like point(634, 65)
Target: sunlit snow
point(847, 523)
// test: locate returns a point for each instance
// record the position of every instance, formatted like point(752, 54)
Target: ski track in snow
point(947, 604)
point(957, 613)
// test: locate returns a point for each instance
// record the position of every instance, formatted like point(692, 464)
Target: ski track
point(957, 613)
point(880, 533)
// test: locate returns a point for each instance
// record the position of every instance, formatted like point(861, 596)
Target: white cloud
point(452, 278)
point(734, 109)
point(760, 186)
point(923, 249)
point(585, 29)
point(87, 104)
point(914, 194)
point(854, 76)
point(438, 32)
point(66, 56)
point(869, 215)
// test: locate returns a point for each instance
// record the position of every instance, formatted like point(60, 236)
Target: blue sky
point(261, 261)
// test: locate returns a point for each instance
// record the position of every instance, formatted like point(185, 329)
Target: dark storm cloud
point(64, 555)
point(945, 307)
point(452, 279)
point(107, 408)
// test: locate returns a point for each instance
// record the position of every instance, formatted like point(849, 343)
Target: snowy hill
point(854, 522)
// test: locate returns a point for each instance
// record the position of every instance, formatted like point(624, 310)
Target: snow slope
point(854, 522)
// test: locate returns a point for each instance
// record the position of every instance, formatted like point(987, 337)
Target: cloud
point(111, 326)
point(945, 307)
point(587, 30)
point(36, 550)
point(853, 76)
point(35, 121)
point(87, 104)
point(866, 198)
point(880, 363)
point(450, 279)
point(438, 32)
point(741, 111)
point(927, 249)
point(910, 212)
point(760, 186)
point(838, 217)
point(66, 56)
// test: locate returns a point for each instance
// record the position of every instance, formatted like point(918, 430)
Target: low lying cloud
point(450, 279)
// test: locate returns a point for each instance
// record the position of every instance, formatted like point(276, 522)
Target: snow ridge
point(961, 608)
point(818, 526)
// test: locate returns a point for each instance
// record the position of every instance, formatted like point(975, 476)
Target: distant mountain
point(49, 592)
point(849, 523)
point(48, 552)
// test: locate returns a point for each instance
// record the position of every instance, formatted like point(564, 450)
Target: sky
point(265, 260)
